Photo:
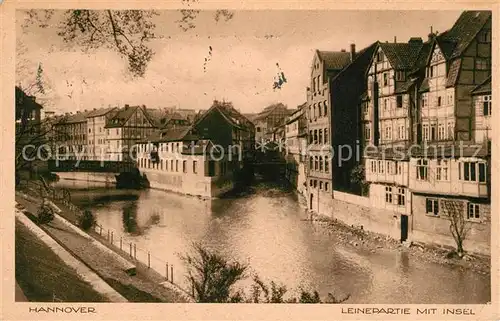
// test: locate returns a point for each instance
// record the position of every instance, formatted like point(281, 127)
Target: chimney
point(353, 51)
point(94, 108)
point(415, 40)
point(342, 50)
point(431, 35)
point(127, 106)
point(395, 39)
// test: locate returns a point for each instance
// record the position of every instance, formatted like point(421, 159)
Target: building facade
point(296, 148)
point(124, 129)
point(97, 133)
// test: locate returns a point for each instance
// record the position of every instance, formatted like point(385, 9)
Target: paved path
point(81, 269)
point(104, 263)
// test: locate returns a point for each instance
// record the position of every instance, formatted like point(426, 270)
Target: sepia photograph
point(253, 156)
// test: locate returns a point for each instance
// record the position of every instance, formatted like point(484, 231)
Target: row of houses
point(416, 117)
point(196, 155)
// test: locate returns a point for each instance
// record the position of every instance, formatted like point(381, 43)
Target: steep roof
point(100, 112)
point(233, 117)
point(334, 59)
point(360, 63)
point(121, 116)
point(79, 117)
point(463, 32)
point(483, 88)
point(402, 55)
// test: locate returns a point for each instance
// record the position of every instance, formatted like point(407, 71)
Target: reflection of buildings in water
point(129, 217)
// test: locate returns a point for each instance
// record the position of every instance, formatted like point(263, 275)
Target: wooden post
point(111, 237)
point(166, 270)
point(135, 251)
point(172, 273)
point(108, 235)
point(121, 241)
point(100, 230)
point(192, 290)
point(130, 249)
point(149, 260)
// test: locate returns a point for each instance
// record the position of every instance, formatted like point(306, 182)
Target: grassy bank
point(43, 276)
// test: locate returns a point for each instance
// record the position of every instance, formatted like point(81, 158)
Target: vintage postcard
point(271, 160)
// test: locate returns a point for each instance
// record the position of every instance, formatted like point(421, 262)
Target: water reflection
point(266, 229)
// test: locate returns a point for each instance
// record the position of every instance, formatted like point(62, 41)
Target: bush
point(45, 213)
point(86, 220)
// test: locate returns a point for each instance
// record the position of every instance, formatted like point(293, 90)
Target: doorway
point(404, 228)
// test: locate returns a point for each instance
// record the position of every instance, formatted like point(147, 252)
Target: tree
point(128, 32)
point(359, 179)
point(459, 226)
point(212, 277)
point(45, 213)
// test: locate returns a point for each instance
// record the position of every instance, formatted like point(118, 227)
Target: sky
point(245, 51)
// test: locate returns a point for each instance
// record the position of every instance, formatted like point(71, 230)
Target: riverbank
point(145, 286)
point(43, 276)
point(368, 241)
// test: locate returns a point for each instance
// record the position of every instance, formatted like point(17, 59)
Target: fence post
point(135, 251)
point(130, 249)
point(149, 260)
point(111, 237)
point(172, 273)
point(108, 236)
point(100, 230)
point(121, 240)
point(192, 289)
point(166, 270)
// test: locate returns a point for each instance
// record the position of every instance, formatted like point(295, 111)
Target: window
point(439, 101)
point(432, 206)
point(195, 167)
point(149, 163)
point(315, 183)
point(311, 137)
point(473, 211)
point(390, 167)
point(316, 163)
point(365, 108)
point(433, 132)
point(310, 162)
point(320, 136)
point(400, 75)
point(327, 165)
point(367, 131)
point(441, 132)
point(176, 165)
point(320, 185)
point(424, 100)
point(468, 171)
point(399, 168)
point(380, 56)
point(386, 79)
point(442, 170)
point(399, 101)
point(385, 104)
point(482, 64)
point(388, 194)
point(320, 110)
point(401, 132)
point(373, 166)
point(314, 111)
point(487, 105)
point(326, 186)
point(380, 167)
point(184, 166)
point(258, 129)
point(422, 167)
point(172, 165)
point(326, 135)
point(320, 164)
point(401, 196)
point(90, 130)
point(388, 132)
point(325, 109)
point(311, 182)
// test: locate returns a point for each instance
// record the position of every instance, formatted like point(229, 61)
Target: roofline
point(484, 82)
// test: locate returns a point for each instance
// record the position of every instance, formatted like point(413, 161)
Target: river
point(266, 229)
